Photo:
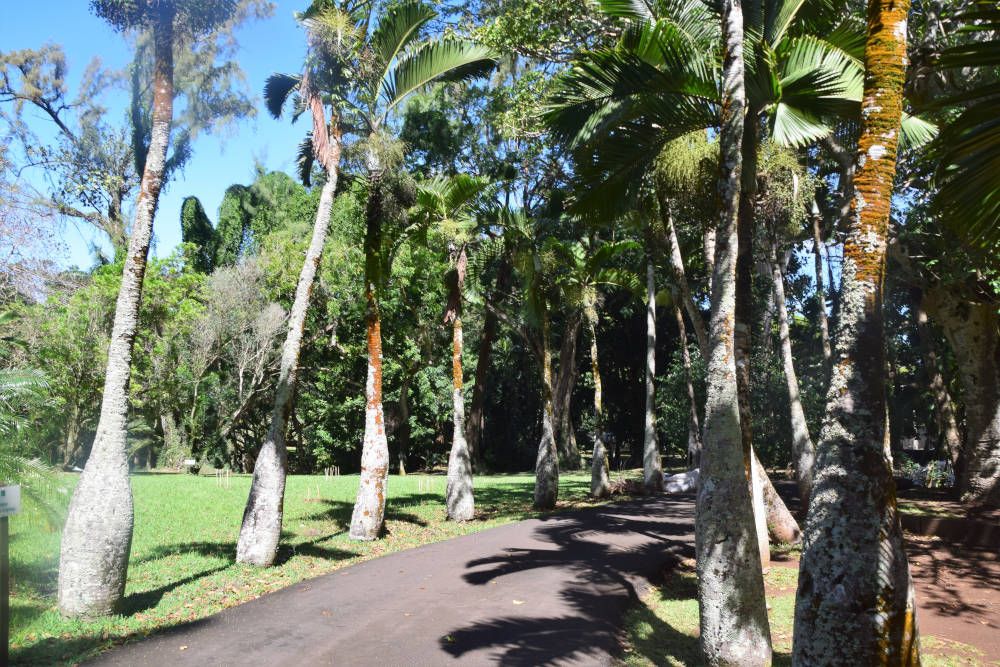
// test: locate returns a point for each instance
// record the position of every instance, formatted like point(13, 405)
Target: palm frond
point(438, 60)
point(277, 90)
point(397, 28)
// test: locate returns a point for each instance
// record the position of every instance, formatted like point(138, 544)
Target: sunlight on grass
point(181, 567)
point(664, 629)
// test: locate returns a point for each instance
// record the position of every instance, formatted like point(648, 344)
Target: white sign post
point(10, 504)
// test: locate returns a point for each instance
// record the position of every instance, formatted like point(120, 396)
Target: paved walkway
point(543, 591)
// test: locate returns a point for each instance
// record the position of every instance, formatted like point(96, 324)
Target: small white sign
point(10, 500)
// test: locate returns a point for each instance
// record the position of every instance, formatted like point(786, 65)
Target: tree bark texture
point(855, 598)
point(260, 531)
point(459, 500)
point(97, 537)
point(547, 463)
point(565, 382)
point(802, 444)
point(652, 468)
point(679, 276)
point(973, 332)
point(733, 617)
point(600, 481)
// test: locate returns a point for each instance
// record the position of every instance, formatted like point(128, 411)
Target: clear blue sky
point(271, 45)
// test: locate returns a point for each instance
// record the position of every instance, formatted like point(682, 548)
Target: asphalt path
point(548, 591)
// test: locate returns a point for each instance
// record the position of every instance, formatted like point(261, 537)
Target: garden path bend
point(548, 591)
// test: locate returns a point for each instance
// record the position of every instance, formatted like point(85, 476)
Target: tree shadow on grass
point(339, 512)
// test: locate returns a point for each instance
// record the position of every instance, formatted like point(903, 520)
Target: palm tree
point(97, 537)
point(445, 203)
point(733, 619)
point(260, 531)
point(855, 597)
point(396, 65)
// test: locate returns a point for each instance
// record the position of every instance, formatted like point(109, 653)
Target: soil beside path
point(544, 591)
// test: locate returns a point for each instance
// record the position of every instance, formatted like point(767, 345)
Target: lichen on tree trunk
point(547, 462)
point(855, 597)
point(97, 537)
point(600, 482)
point(459, 500)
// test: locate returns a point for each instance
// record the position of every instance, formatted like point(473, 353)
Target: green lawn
point(664, 630)
point(182, 566)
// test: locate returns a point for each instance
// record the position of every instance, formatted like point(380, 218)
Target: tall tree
point(260, 531)
point(733, 619)
point(652, 468)
point(855, 598)
point(98, 533)
point(402, 65)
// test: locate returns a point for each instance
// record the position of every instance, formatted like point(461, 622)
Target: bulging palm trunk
point(547, 462)
point(97, 537)
point(261, 528)
point(733, 618)
point(855, 598)
point(652, 468)
point(600, 481)
point(458, 498)
point(802, 444)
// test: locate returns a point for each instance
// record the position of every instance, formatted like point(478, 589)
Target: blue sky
point(271, 45)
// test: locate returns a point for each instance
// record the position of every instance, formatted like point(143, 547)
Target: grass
point(182, 562)
point(664, 629)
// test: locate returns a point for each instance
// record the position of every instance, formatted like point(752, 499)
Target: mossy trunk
point(732, 613)
point(855, 597)
point(97, 538)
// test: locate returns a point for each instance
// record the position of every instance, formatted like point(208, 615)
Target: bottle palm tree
point(332, 47)
point(97, 537)
point(446, 204)
point(855, 598)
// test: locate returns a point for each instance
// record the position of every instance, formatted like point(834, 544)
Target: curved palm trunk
point(458, 498)
point(733, 618)
point(694, 430)
point(261, 528)
point(802, 444)
point(97, 537)
point(855, 597)
point(680, 280)
point(652, 468)
point(547, 463)
point(369, 507)
point(600, 482)
point(973, 332)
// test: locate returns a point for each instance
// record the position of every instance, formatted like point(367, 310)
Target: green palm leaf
point(438, 60)
point(277, 89)
point(396, 29)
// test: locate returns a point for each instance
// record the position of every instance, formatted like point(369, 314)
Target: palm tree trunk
point(565, 382)
point(680, 279)
point(458, 499)
point(369, 507)
point(733, 617)
point(973, 332)
point(476, 422)
point(97, 537)
point(802, 444)
point(652, 468)
point(694, 429)
point(72, 434)
point(944, 408)
point(600, 482)
point(708, 244)
point(744, 317)
point(547, 463)
point(260, 531)
point(824, 326)
point(855, 597)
